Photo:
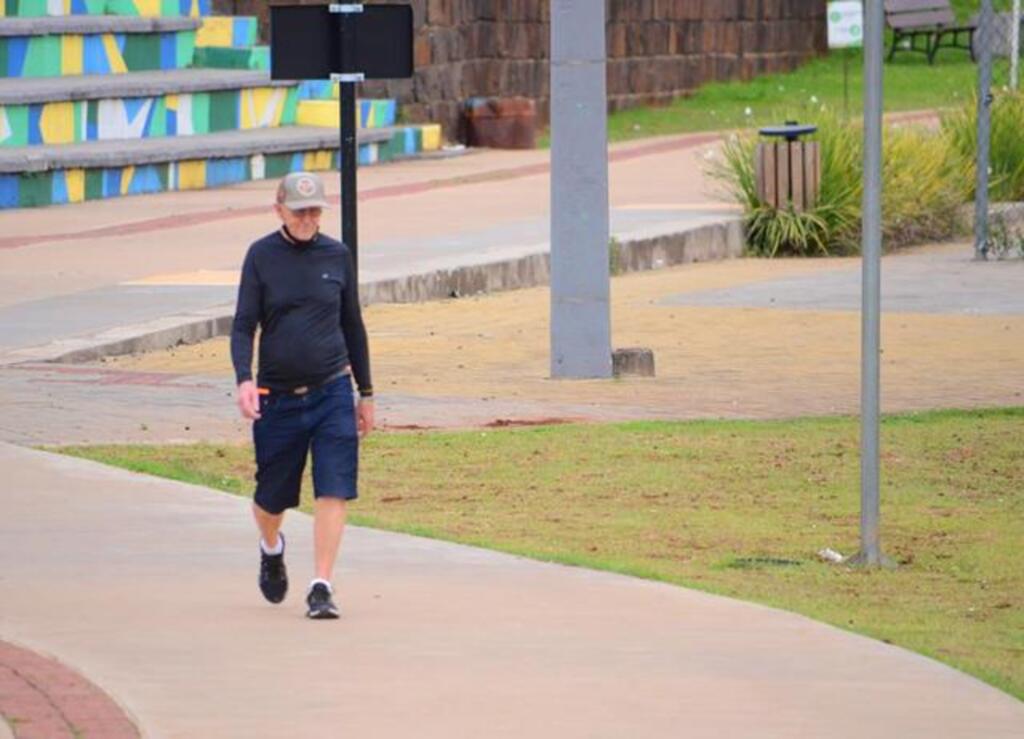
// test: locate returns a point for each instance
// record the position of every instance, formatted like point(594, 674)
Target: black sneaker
point(320, 603)
point(273, 575)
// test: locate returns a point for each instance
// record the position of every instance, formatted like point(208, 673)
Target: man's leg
point(335, 449)
point(269, 525)
point(328, 525)
point(282, 444)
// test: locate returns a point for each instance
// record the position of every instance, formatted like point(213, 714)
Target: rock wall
point(657, 49)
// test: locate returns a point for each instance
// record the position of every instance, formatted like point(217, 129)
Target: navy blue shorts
point(323, 420)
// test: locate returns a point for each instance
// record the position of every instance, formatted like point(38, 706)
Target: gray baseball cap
point(300, 190)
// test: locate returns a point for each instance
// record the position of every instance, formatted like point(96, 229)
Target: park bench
point(932, 20)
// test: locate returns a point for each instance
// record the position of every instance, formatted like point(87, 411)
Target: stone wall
point(657, 49)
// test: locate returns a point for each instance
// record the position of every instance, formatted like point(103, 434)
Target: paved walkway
point(147, 587)
point(101, 244)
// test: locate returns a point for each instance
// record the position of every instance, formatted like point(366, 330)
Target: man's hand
point(249, 400)
point(364, 416)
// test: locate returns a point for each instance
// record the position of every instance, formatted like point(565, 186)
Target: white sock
point(279, 549)
point(320, 580)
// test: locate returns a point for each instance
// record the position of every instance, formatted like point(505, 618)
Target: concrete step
point(74, 45)
point(226, 144)
point(50, 175)
point(185, 102)
point(136, 84)
point(92, 24)
point(142, 105)
point(145, 8)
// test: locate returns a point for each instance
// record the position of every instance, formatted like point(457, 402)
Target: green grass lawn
point(833, 81)
point(738, 508)
point(910, 84)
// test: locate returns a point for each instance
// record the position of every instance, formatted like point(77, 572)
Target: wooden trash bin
point(788, 172)
point(501, 123)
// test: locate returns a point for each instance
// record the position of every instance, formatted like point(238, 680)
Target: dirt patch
point(731, 362)
point(501, 423)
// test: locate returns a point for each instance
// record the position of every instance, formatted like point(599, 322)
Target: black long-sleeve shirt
point(305, 299)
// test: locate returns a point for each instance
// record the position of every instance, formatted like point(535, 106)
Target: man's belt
point(304, 389)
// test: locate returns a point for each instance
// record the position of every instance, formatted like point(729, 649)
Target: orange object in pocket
point(263, 390)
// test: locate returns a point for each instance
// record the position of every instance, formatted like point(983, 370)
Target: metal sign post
point(870, 552)
point(346, 43)
point(348, 150)
point(986, 19)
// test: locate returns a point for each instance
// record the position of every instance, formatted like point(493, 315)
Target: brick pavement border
point(44, 699)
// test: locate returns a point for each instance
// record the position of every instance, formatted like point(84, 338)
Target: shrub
point(1006, 165)
point(922, 187)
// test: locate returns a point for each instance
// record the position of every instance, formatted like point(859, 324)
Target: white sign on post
point(845, 24)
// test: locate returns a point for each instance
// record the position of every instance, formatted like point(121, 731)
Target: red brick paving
point(43, 699)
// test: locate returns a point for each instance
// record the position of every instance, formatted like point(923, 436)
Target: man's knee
point(264, 513)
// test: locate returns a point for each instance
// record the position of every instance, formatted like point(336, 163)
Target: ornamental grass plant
point(1006, 175)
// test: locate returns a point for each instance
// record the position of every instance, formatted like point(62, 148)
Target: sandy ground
point(751, 362)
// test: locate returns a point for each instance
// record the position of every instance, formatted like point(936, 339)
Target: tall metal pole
point(985, 23)
point(1015, 47)
point(870, 548)
point(580, 312)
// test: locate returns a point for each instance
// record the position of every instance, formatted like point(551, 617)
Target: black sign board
point(307, 42)
point(356, 41)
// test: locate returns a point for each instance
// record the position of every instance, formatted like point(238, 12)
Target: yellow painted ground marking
point(211, 277)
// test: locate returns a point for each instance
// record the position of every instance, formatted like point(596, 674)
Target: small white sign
point(845, 24)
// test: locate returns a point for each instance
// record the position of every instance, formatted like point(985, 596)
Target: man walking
point(299, 287)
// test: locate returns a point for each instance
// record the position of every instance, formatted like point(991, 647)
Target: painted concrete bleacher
point(102, 98)
point(145, 8)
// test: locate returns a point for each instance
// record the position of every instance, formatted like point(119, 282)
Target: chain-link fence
point(999, 213)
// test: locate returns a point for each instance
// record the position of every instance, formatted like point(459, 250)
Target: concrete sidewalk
point(148, 587)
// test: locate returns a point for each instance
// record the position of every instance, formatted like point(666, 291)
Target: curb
point(650, 250)
point(655, 248)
